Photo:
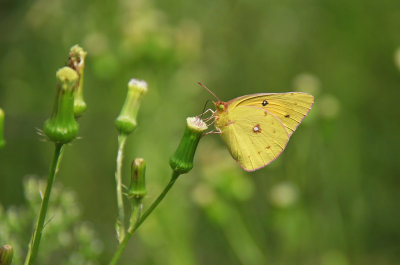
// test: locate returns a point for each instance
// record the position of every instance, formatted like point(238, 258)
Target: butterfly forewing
point(290, 108)
point(254, 136)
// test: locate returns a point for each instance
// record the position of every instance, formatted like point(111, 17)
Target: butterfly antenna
point(208, 90)
point(204, 109)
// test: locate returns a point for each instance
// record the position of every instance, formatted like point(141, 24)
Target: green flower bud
point(77, 62)
point(137, 188)
point(126, 121)
point(6, 255)
point(2, 141)
point(62, 127)
point(182, 160)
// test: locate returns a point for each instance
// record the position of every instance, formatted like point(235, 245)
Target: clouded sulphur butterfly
point(256, 128)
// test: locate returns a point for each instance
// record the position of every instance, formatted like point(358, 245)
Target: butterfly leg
point(207, 120)
point(208, 110)
point(216, 131)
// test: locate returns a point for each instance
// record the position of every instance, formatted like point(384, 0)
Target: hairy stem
point(37, 234)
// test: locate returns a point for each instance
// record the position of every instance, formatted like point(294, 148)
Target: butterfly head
point(220, 106)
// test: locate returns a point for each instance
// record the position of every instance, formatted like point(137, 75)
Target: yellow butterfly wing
point(256, 128)
point(290, 108)
point(254, 137)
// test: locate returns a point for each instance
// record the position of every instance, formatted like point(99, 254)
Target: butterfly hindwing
point(254, 136)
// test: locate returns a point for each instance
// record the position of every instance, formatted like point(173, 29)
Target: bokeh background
point(332, 198)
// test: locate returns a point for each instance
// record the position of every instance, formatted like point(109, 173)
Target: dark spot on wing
point(264, 103)
point(268, 147)
point(257, 128)
point(287, 116)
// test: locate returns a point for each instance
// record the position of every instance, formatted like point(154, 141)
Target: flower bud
point(2, 141)
point(126, 121)
point(62, 127)
point(137, 188)
point(182, 160)
point(77, 62)
point(6, 255)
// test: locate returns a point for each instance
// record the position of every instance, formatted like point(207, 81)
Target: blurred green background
point(332, 198)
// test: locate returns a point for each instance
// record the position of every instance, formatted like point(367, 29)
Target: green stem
point(136, 214)
point(160, 197)
point(35, 241)
point(174, 177)
point(118, 181)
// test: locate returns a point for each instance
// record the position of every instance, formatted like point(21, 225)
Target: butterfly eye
point(221, 107)
point(264, 103)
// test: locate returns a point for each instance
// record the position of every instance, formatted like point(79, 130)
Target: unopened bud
point(6, 255)
point(182, 160)
point(126, 121)
point(77, 62)
point(137, 188)
point(62, 127)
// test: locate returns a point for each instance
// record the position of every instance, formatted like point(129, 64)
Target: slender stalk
point(160, 197)
point(35, 241)
point(136, 214)
point(118, 180)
